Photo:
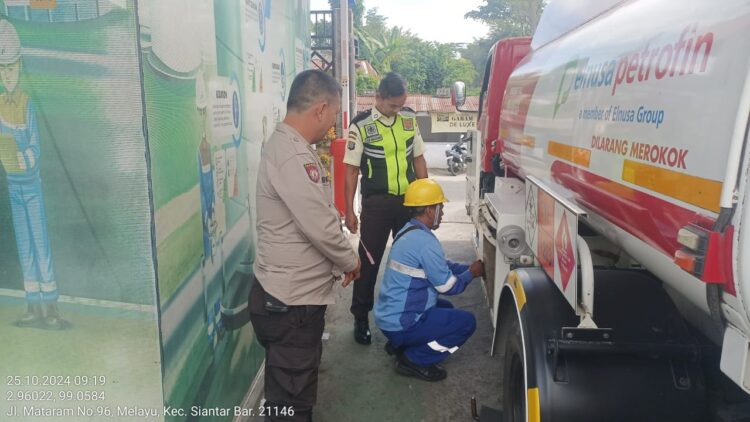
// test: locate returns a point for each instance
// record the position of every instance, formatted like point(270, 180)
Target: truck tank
point(639, 116)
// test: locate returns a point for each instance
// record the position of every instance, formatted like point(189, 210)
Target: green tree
point(477, 53)
point(382, 49)
point(506, 18)
point(366, 82)
point(375, 23)
point(429, 66)
point(425, 65)
point(460, 70)
point(509, 17)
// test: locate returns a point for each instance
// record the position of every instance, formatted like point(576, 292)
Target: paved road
point(435, 155)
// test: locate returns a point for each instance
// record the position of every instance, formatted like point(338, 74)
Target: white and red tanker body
point(618, 242)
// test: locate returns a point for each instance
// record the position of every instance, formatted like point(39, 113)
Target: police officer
point(422, 329)
point(300, 247)
point(384, 145)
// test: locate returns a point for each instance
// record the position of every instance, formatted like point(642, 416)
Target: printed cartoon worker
point(19, 155)
point(206, 173)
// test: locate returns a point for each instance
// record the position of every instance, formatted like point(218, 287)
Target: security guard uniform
point(300, 248)
point(384, 149)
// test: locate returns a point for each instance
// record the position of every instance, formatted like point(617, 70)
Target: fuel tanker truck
point(617, 243)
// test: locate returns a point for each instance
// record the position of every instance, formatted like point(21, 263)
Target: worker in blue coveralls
point(19, 155)
point(422, 330)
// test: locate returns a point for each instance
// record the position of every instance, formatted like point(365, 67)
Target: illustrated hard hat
point(424, 192)
point(10, 44)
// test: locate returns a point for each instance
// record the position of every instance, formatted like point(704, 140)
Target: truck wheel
point(514, 373)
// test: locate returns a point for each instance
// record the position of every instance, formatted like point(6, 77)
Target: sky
point(432, 20)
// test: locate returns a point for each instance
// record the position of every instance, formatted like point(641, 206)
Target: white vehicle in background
point(616, 245)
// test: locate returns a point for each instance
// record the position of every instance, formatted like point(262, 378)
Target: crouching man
point(422, 330)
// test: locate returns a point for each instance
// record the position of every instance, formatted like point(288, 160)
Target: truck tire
point(514, 373)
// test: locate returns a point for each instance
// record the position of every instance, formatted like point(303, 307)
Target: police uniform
point(300, 248)
point(384, 149)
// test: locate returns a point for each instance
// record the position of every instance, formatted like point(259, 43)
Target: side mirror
point(458, 94)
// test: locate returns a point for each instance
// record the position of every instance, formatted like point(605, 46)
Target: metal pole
point(344, 77)
point(336, 60)
point(352, 71)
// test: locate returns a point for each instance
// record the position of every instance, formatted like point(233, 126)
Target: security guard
point(384, 145)
point(422, 329)
point(300, 247)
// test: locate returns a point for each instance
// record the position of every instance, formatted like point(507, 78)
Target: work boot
point(52, 319)
point(428, 373)
point(393, 351)
point(32, 316)
point(362, 332)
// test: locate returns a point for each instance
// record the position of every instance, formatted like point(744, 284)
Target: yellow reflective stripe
point(580, 156)
point(515, 283)
point(369, 169)
point(703, 193)
point(533, 413)
point(391, 160)
point(401, 137)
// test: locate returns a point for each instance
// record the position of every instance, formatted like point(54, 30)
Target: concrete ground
point(359, 383)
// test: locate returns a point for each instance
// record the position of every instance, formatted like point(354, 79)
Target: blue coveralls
point(18, 124)
point(408, 310)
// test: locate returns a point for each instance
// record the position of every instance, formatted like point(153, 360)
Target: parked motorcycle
point(456, 156)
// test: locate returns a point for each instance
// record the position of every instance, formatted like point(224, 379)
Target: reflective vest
point(387, 164)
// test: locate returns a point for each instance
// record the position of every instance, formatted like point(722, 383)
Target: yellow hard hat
point(424, 192)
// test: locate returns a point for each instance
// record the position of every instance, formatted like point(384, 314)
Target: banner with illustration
point(130, 137)
point(78, 307)
point(216, 75)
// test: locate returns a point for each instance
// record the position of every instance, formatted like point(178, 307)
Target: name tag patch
point(313, 172)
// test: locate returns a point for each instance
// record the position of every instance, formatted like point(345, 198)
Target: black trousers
point(293, 346)
point(382, 215)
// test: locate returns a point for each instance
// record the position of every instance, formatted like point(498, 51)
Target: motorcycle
point(456, 156)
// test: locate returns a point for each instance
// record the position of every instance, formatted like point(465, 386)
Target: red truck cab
point(503, 58)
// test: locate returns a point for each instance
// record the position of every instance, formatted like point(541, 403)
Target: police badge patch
point(351, 145)
point(371, 130)
point(408, 124)
point(313, 172)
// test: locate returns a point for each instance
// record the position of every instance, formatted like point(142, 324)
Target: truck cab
point(503, 57)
